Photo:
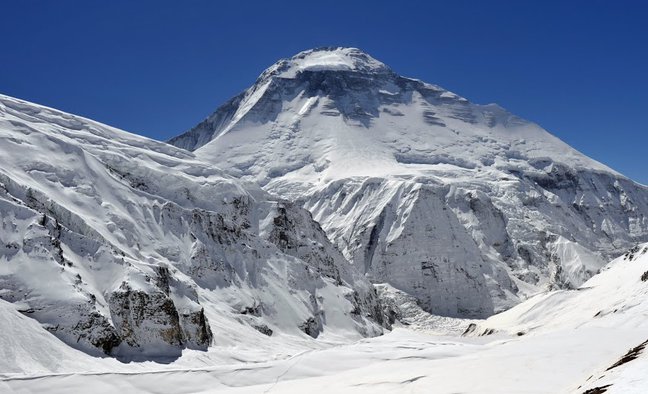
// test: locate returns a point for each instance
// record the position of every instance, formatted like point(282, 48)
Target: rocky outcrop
point(311, 327)
point(145, 319)
point(149, 320)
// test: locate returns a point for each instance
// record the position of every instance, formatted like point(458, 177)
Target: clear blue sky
point(578, 68)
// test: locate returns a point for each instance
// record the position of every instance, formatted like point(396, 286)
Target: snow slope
point(465, 206)
point(125, 246)
point(609, 310)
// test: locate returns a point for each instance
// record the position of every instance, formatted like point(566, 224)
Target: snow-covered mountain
point(465, 206)
point(114, 244)
point(122, 245)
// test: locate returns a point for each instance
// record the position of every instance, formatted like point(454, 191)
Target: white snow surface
point(396, 170)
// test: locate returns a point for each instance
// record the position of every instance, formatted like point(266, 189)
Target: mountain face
point(464, 206)
point(121, 245)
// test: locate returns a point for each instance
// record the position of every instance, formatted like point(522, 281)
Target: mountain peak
point(327, 59)
point(325, 100)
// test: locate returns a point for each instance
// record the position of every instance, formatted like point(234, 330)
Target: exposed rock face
point(151, 320)
point(465, 206)
point(195, 329)
point(311, 327)
point(295, 232)
point(145, 319)
point(292, 237)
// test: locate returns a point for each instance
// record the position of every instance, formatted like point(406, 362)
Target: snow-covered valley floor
point(567, 341)
point(557, 342)
point(402, 361)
